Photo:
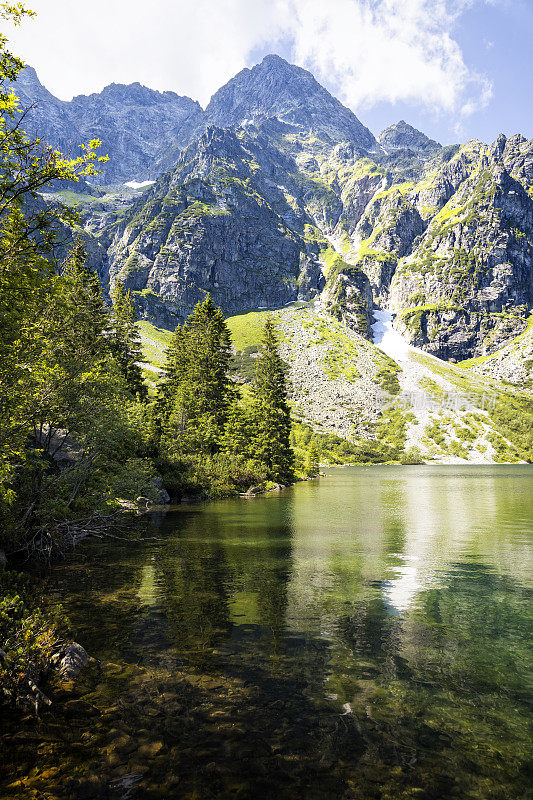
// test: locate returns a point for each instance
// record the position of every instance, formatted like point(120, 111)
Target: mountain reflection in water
point(362, 636)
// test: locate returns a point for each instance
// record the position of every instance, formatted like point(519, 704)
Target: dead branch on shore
point(54, 539)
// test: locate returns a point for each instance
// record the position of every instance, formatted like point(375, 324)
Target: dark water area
point(363, 636)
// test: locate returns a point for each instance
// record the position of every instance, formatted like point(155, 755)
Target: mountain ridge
point(283, 202)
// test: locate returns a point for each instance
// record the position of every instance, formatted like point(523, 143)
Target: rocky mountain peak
point(275, 88)
point(498, 147)
point(30, 89)
point(403, 136)
point(132, 121)
point(135, 94)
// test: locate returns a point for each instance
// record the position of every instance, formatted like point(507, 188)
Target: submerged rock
point(73, 661)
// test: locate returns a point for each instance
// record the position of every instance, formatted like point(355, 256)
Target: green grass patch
point(246, 329)
point(154, 343)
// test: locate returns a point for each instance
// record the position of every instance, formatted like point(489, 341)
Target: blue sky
point(497, 41)
point(456, 69)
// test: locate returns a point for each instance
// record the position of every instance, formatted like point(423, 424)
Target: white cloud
point(189, 47)
point(389, 50)
point(369, 51)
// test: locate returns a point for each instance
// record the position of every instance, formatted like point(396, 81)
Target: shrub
point(29, 637)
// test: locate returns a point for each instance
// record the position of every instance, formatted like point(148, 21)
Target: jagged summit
point(132, 121)
point(403, 136)
point(30, 89)
point(135, 92)
point(275, 88)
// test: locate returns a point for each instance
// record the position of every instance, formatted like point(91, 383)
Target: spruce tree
point(126, 341)
point(175, 371)
point(196, 391)
point(271, 413)
point(312, 461)
point(209, 344)
point(88, 316)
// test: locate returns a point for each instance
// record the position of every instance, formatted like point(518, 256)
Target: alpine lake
point(365, 635)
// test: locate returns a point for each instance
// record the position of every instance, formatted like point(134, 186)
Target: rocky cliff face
point(467, 284)
point(275, 88)
point(450, 252)
point(133, 122)
point(281, 92)
point(402, 136)
point(216, 223)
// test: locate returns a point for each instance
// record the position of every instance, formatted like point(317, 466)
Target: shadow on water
point(365, 637)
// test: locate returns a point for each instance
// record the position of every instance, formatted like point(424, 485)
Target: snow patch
point(387, 338)
point(138, 184)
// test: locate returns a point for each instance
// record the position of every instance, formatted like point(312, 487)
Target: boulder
point(73, 661)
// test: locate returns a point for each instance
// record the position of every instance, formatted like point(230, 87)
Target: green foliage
point(312, 462)
point(195, 393)
point(28, 638)
point(243, 363)
point(387, 375)
point(354, 304)
point(246, 329)
point(411, 456)
point(154, 342)
point(65, 421)
point(126, 341)
point(271, 414)
point(513, 417)
point(205, 426)
point(333, 449)
point(433, 389)
point(62, 396)
point(392, 428)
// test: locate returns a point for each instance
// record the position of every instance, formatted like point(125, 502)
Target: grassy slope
point(515, 358)
point(154, 342)
point(246, 329)
point(457, 414)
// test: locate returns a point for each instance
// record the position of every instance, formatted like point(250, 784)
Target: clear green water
point(363, 636)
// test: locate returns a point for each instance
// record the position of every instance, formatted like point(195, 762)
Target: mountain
point(466, 286)
point(403, 136)
point(275, 90)
point(276, 193)
point(216, 223)
point(143, 131)
point(46, 117)
point(133, 122)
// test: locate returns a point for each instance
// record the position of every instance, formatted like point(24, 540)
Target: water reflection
point(365, 636)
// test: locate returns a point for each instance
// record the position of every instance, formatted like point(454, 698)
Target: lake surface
point(362, 636)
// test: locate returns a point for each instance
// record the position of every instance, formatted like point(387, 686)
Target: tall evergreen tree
point(312, 461)
point(88, 316)
point(176, 370)
point(195, 393)
point(126, 341)
point(271, 412)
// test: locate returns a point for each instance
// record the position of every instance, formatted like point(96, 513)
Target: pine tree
point(236, 440)
point(271, 412)
point(209, 344)
point(126, 341)
point(312, 461)
point(196, 391)
point(177, 358)
point(89, 319)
